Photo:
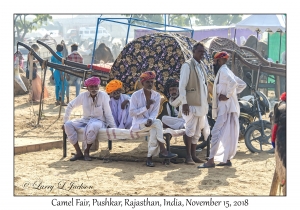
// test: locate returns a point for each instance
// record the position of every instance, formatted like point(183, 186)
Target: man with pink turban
point(226, 111)
point(96, 115)
point(119, 104)
point(144, 107)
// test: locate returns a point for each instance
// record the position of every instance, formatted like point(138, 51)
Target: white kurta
point(196, 120)
point(122, 118)
point(140, 114)
point(96, 114)
point(176, 122)
point(225, 132)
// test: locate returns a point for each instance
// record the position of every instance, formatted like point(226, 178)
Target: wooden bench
point(111, 134)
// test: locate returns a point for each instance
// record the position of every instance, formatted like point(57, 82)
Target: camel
point(103, 53)
point(262, 47)
point(279, 135)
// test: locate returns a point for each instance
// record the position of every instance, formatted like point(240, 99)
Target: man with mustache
point(226, 111)
point(144, 107)
point(193, 95)
point(173, 119)
point(119, 104)
point(96, 115)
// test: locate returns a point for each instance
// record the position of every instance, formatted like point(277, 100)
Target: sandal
point(149, 163)
point(74, 158)
point(224, 164)
point(206, 166)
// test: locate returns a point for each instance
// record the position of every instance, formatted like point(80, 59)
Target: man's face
point(198, 53)
point(148, 84)
point(93, 89)
point(173, 92)
point(116, 94)
point(218, 63)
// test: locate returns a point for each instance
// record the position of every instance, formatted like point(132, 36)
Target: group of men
point(187, 109)
point(62, 82)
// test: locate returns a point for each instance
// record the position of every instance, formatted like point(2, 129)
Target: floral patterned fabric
point(163, 53)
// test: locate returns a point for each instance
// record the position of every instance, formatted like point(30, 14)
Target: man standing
point(173, 119)
point(119, 104)
point(144, 107)
point(96, 115)
point(75, 56)
point(194, 99)
point(226, 111)
point(58, 76)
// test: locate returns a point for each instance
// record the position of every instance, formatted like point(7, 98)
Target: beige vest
point(193, 96)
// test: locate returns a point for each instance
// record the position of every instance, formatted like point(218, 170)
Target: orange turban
point(221, 54)
point(113, 85)
point(147, 75)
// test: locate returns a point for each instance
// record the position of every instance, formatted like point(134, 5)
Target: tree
point(176, 20)
point(147, 17)
point(219, 20)
point(23, 26)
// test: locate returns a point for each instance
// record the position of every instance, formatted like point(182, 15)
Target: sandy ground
point(48, 173)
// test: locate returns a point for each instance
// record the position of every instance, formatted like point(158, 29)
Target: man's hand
point(222, 98)
point(149, 123)
point(124, 103)
point(63, 127)
point(185, 109)
point(149, 102)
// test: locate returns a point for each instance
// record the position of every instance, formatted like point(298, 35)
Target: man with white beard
point(173, 119)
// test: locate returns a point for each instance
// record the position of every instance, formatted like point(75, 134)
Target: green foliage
point(24, 26)
point(218, 20)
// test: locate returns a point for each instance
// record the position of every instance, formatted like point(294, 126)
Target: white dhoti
point(225, 134)
point(194, 125)
point(156, 134)
point(173, 122)
point(91, 127)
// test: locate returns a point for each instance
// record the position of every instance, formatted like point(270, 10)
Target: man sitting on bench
point(119, 104)
point(96, 115)
point(173, 119)
point(144, 107)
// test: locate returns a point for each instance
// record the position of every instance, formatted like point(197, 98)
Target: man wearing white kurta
point(96, 114)
point(194, 99)
point(226, 111)
point(144, 107)
point(174, 119)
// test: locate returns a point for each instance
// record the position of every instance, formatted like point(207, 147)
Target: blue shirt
point(54, 60)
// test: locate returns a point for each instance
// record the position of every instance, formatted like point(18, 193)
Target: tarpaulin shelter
point(163, 53)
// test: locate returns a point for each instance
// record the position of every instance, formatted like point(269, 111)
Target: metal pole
point(256, 38)
point(279, 46)
point(129, 23)
point(165, 22)
point(234, 35)
point(62, 93)
point(95, 41)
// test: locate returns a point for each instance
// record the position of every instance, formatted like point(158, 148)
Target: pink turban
point(147, 75)
point(92, 81)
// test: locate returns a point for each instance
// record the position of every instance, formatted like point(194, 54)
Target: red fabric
point(274, 132)
point(101, 67)
point(283, 96)
point(75, 57)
